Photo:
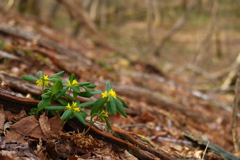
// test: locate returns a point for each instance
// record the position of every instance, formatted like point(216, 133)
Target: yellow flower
point(43, 81)
point(109, 93)
point(76, 109)
point(74, 83)
point(104, 113)
point(73, 107)
point(45, 77)
point(112, 93)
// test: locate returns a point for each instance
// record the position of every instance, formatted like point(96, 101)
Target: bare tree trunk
point(156, 13)
point(103, 13)
point(149, 19)
point(93, 10)
point(35, 8)
point(22, 6)
point(179, 23)
point(32, 7)
point(76, 10)
point(54, 9)
point(202, 45)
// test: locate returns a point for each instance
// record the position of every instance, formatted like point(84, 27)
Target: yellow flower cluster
point(73, 107)
point(104, 113)
point(43, 81)
point(74, 83)
point(109, 93)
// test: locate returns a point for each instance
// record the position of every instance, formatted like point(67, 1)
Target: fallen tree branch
point(213, 148)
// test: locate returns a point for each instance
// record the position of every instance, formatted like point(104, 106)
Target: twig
point(204, 153)
point(234, 115)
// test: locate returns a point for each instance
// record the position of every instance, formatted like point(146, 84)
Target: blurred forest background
point(198, 39)
point(181, 55)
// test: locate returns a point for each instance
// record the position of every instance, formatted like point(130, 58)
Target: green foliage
point(55, 89)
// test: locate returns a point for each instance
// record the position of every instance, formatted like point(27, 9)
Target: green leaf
point(108, 124)
point(55, 79)
point(69, 97)
point(91, 86)
point(86, 89)
point(81, 116)
point(71, 78)
point(123, 102)
point(83, 84)
point(34, 111)
point(112, 106)
point(54, 108)
point(62, 101)
point(66, 115)
point(98, 105)
point(90, 93)
point(57, 87)
point(108, 86)
point(40, 74)
point(29, 78)
point(46, 90)
point(86, 104)
point(46, 95)
point(120, 108)
point(62, 92)
point(43, 103)
point(75, 89)
point(58, 74)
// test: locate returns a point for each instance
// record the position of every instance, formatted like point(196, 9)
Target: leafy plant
point(55, 89)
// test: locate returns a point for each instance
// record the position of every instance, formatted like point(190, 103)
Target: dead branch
point(227, 82)
point(213, 148)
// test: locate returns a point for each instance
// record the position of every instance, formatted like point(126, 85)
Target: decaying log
point(210, 147)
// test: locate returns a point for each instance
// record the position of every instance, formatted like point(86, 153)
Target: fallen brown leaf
point(2, 118)
point(45, 126)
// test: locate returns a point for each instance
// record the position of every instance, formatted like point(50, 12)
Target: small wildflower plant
point(55, 89)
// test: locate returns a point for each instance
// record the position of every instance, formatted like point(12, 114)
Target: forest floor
point(176, 121)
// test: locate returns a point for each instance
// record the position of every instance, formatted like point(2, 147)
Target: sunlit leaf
point(58, 74)
point(54, 79)
point(40, 74)
point(86, 104)
point(75, 89)
point(91, 86)
point(57, 87)
point(108, 86)
point(71, 78)
point(29, 78)
point(84, 84)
